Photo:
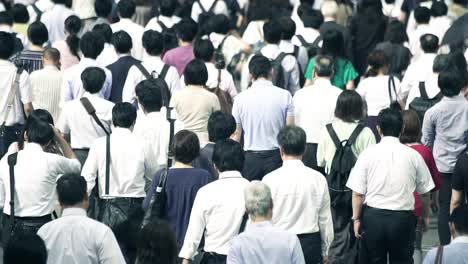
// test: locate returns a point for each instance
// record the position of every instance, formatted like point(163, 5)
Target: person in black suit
point(123, 45)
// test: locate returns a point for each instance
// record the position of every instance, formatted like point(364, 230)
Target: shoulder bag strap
point(92, 112)
point(422, 91)
point(213, 6)
point(163, 27)
point(317, 40)
point(245, 217)
point(281, 57)
point(37, 11)
point(11, 163)
point(221, 45)
point(164, 71)
point(143, 71)
point(333, 136)
point(296, 51)
point(12, 94)
point(302, 40)
point(355, 134)
point(108, 161)
point(439, 256)
point(219, 80)
point(201, 7)
point(391, 86)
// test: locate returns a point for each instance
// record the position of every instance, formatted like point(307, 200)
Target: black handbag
point(423, 103)
point(9, 227)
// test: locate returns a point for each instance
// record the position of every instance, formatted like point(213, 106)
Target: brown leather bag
point(225, 99)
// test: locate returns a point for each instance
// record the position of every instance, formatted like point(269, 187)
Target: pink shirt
point(179, 57)
point(67, 59)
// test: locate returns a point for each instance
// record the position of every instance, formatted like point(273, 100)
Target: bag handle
point(422, 91)
point(92, 112)
point(391, 84)
point(12, 159)
point(12, 94)
point(108, 161)
point(245, 217)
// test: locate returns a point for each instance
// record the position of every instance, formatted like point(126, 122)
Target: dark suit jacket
point(119, 71)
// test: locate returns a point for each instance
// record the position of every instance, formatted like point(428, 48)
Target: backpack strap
point(302, 40)
point(92, 112)
point(12, 159)
point(334, 136)
point(317, 40)
point(296, 51)
point(422, 91)
point(161, 24)
point(219, 80)
point(12, 94)
point(108, 161)
point(213, 6)
point(164, 71)
point(37, 11)
point(144, 71)
point(221, 45)
point(280, 57)
point(355, 134)
point(391, 86)
point(245, 217)
point(201, 7)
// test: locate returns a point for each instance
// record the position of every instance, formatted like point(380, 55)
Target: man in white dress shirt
point(54, 20)
point(92, 242)
point(35, 174)
point(76, 121)
point(422, 15)
point(215, 203)
point(167, 18)
point(42, 7)
point(200, 7)
point(301, 198)
point(314, 106)
point(91, 45)
point(383, 181)
point(288, 29)
point(126, 10)
point(108, 54)
point(153, 43)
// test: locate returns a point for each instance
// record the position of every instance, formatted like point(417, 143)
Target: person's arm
point(350, 85)
point(25, 91)
point(425, 206)
point(428, 130)
point(195, 229)
point(357, 201)
point(325, 222)
point(107, 87)
point(458, 182)
point(63, 144)
point(238, 133)
point(297, 254)
point(424, 184)
point(290, 111)
point(28, 109)
point(108, 250)
point(91, 168)
point(128, 90)
point(456, 200)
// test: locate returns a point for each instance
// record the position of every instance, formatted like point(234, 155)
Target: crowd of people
point(233, 131)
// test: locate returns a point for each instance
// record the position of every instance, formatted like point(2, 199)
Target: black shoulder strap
point(221, 45)
point(280, 57)
point(12, 163)
point(37, 11)
point(201, 7)
point(143, 71)
point(92, 112)
point(440, 255)
point(108, 161)
point(391, 86)
point(296, 51)
point(302, 40)
point(422, 91)
point(355, 134)
point(245, 217)
point(213, 6)
point(161, 24)
point(333, 136)
point(164, 71)
point(317, 40)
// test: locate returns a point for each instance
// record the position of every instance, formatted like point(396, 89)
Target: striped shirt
point(30, 60)
point(46, 88)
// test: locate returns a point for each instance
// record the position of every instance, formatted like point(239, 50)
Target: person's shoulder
point(430, 256)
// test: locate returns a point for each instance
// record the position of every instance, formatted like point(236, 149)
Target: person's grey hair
point(323, 66)
point(329, 8)
point(257, 197)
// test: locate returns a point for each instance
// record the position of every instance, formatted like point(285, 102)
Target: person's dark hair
point(292, 140)
point(37, 33)
point(91, 45)
point(396, 33)
point(149, 94)
point(259, 10)
point(186, 30)
point(123, 115)
point(324, 66)
point(441, 62)
point(26, 248)
point(153, 42)
point(93, 79)
point(439, 8)
point(122, 42)
point(103, 30)
point(312, 19)
point(196, 73)
point(220, 126)
point(71, 189)
point(126, 8)
point(450, 82)
point(8, 44)
point(6, 18)
point(37, 115)
point(369, 11)
point(203, 50)
point(288, 28)
point(167, 7)
point(411, 127)
point(218, 24)
point(349, 106)
point(429, 43)
point(377, 61)
point(260, 66)
point(186, 146)
point(73, 27)
point(40, 132)
point(156, 243)
point(20, 13)
point(333, 44)
point(390, 122)
point(103, 8)
point(63, 2)
point(422, 15)
point(458, 218)
point(228, 155)
point(461, 2)
point(272, 32)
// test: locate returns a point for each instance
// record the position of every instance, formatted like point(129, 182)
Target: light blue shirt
point(456, 252)
point(261, 243)
point(72, 86)
point(443, 131)
point(262, 111)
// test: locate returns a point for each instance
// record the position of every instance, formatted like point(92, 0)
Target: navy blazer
point(119, 70)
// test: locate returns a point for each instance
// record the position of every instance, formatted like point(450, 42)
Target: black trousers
point(259, 163)
point(311, 247)
point(81, 155)
point(213, 258)
point(445, 194)
point(344, 238)
point(23, 226)
point(388, 233)
point(8, 135)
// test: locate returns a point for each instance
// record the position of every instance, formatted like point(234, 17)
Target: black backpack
point(301, 74)
point(278, 71)
point(313, 48)
point(206, 14)
point(341, 166)
point(169, 37)
point(220, 61)
point(166, 92)
point(423, 103)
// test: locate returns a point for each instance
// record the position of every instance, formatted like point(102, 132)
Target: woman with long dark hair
point(70, 47)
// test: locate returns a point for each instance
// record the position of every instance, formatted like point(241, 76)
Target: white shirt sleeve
point(195, 228)
point(173, 80)
point(326, 222)
point(424, 182)
point(109, 251)
point(25, 88)
point(128, 91)
point(357, 180)
point(91, 167)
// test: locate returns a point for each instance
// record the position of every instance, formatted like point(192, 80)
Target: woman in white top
point(378, 89)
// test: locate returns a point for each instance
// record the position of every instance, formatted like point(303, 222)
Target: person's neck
point(328, 19)
point(290, 157)
point(36, 48)
point(50, 65)
point(196, 86)
point(260, 219)
point(321, 78)
point(83, 205)
point(180, 165)
point(185, 44)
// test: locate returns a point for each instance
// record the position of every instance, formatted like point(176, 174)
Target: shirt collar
point(121, 131)
point(5, 62)
point(389, 139)
point(322, 82)
point(74, 211)
point(153, 59)
point(33, 147)
point(253, 225)
point(261, 82)
point(88, 61)
point(295, 163)
point(460, 239)
point(51, 67)
point(459, 97)
point(230, 174)
point(5, 28)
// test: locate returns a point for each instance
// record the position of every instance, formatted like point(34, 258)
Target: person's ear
point(379, 131)
point(281, 151)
